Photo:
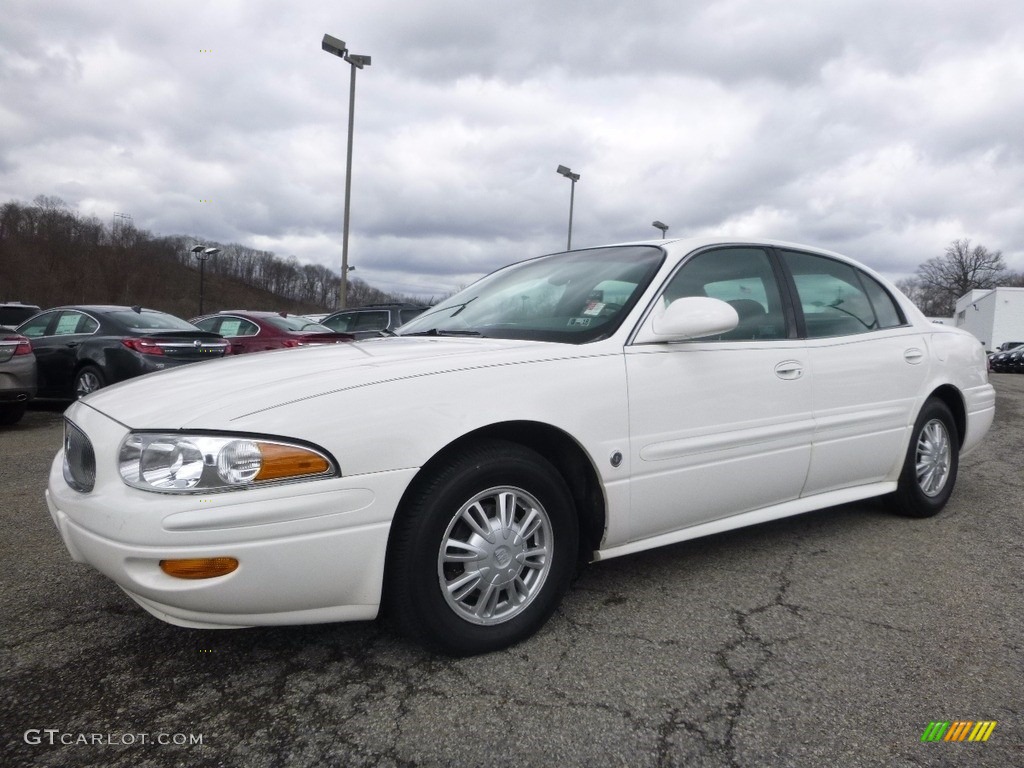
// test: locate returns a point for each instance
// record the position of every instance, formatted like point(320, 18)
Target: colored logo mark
point(959, 730)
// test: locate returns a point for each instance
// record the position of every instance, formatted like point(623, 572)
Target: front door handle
point(790, 370)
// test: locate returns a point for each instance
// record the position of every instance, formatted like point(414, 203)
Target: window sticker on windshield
point(594, 308)
point(579, 321)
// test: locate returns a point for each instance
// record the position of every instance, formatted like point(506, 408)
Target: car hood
point(212, 394)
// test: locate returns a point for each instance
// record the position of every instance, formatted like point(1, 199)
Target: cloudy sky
point(883, 129)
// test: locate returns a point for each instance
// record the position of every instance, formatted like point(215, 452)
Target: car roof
point(100, 308)
point(256, 313)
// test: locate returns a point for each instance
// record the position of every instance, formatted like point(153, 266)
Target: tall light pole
point(203, 253)
point(338, 48)
point(662, 227)
point(573, 177)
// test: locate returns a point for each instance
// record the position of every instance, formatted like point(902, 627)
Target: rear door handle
point(790, 370)
point(913, 355)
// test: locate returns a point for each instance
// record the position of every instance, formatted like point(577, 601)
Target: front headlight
point(195, 463)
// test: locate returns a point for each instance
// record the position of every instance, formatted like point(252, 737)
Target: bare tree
point(961, 270)
point(928, 299)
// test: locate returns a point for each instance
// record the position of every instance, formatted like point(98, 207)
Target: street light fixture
point(338, 48)
point(203, 253)
point(662, 227)
point(573, 177)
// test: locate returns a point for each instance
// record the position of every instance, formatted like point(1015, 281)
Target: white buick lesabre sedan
point(581, 405)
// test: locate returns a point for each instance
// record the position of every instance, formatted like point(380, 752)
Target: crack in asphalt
point(742, 681)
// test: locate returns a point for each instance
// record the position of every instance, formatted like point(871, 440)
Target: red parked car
point(250, 331)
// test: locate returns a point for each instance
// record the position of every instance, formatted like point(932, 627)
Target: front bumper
point(308, 552)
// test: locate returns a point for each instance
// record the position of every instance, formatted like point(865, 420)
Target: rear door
point(57, 337)
point(240, 333)
point(868, 366)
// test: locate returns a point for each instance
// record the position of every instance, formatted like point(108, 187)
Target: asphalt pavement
point(831, 639)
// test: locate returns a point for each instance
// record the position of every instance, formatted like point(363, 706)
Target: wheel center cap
point(502, 556)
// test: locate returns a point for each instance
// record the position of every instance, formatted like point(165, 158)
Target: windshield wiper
point(458, 308)
point(436, 332)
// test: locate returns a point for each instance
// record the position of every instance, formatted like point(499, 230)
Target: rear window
point(150, 320)
point(16, 314)
point(295, 323)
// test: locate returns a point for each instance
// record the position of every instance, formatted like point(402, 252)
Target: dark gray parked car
point(372, 320)
point(84, 347)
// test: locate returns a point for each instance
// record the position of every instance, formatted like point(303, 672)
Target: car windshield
point(150, 320)
point(571, 297)
point(296, 323)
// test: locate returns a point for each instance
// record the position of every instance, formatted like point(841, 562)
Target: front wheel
point(930, 467)
point(483, 550)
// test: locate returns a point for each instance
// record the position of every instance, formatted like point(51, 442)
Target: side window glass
point(229, 327)
point(87, 325)
point(831, 296)
point(886, 309)
point(247, 328)
point(68, 323)
point(408, 314)
point(340, 323)
point(36, 327)
point(371, 321)
point(744, 278)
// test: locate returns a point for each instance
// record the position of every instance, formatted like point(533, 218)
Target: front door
point(723, 425)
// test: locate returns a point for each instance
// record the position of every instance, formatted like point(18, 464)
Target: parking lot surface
point(831, 639)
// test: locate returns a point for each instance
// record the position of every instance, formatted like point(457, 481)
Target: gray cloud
point(881, 129)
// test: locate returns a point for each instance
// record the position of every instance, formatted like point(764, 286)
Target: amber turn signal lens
point(199, 567)
point(281, 461)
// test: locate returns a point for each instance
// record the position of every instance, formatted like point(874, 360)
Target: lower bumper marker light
point(199, 567)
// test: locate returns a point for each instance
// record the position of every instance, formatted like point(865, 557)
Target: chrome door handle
point(790, 370)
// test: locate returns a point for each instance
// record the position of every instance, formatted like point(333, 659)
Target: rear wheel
point(483, 550)
point(930, 468)
point(11, 413)
point(87, 380)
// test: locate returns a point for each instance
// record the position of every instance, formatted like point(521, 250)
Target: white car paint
point(712, 435)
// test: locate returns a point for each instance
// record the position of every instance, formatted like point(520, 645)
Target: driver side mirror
point(691, 317)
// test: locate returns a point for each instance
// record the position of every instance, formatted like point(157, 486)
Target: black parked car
point(999, 361)
point(14, 312)
point(372, 320)
point(1015, 361)
point(82, 348)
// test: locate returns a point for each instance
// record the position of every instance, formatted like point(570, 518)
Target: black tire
point(11, 413)
point(88, 379)
point(935, 445)
point(495, 587)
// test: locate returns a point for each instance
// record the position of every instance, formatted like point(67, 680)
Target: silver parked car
point(17, 375)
